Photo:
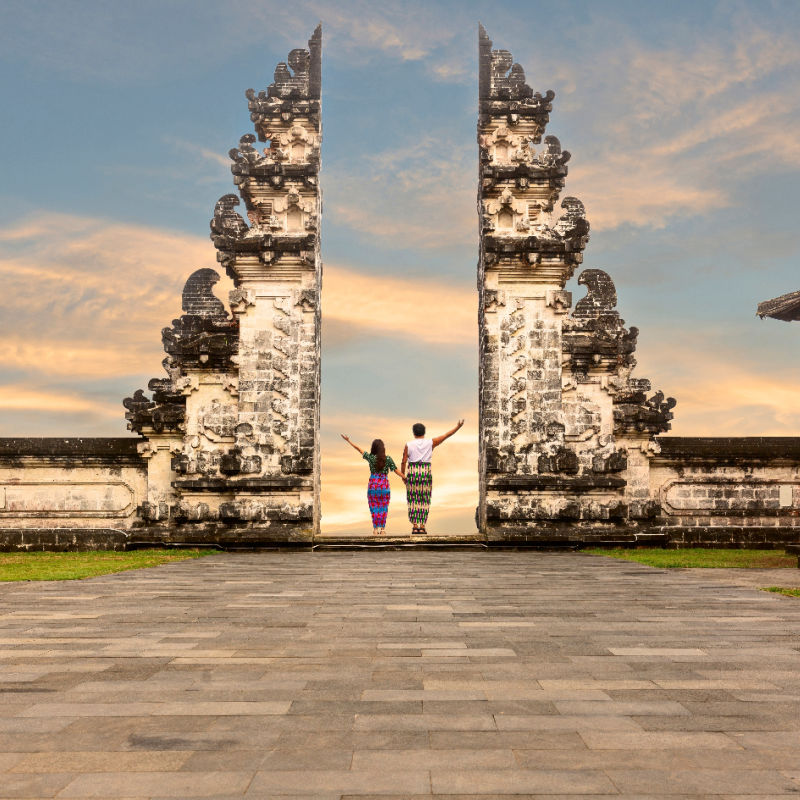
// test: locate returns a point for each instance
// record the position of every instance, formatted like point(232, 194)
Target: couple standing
point(418, 479)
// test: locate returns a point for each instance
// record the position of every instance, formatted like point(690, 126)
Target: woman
point(378, 492)
point(419, 484)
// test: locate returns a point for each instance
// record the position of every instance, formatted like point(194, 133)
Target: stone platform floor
point(400, 674)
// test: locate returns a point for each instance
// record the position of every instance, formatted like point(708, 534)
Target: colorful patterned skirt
point(378, 494)
point(418, 492)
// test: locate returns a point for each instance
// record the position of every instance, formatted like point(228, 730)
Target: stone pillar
point(527, 253)
point(239, 410)
point(554, 390)
point(276, 267)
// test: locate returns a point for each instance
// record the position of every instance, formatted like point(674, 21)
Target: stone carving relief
point(557, 397)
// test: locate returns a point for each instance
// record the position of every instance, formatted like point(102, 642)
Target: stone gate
point(571, 449)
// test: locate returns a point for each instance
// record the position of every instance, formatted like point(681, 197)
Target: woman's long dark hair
point(379, 450)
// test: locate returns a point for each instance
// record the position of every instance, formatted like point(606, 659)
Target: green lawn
point(783, 590)
point(74, 566)
point(700, 557)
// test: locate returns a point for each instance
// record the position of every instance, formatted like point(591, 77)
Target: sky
point(682, 122)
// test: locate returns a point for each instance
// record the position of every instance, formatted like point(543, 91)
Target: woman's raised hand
point(347, 439)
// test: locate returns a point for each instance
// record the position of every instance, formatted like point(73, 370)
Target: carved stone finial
point(205, 336)
point(198, 297)
point(601, 295)
point(503, 91)
point(595, 336)
point(295, 90)
point(227, 223)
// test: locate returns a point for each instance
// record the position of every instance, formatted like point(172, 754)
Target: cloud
point(21, 397)
point(85, 300)
point(409, 309)
point(649, 195)
point(420, 196)
point(83, 293)
point(723, 385)
point(358, 30)
point(202, 154)
point(84, 303)
point(116, 42)
point(667, 133)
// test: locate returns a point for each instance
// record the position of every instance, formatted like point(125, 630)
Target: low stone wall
point(718, 491)
point(69, 493)
point(91, 494)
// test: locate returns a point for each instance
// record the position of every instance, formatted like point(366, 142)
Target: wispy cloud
point(203, 154)
point(86, 299)
point(723, 387)
point(406, 309)
point(421, 195)
point(676, 132)
point(642, 192)
point(22, 397)
point(112, 42)
point(359, 30)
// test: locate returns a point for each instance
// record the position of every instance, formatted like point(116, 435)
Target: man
point(419, 481)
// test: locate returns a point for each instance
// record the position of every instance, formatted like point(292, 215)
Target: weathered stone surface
point(240, 408)
point(68, 493)
point(557, 402)
point(785, 307)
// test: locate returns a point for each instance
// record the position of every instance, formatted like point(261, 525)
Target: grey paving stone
point(574, 722)
point(425, 722)
point(9, 760)
point(703, 781)
point(162, 784)
point(610, 707)
point(515, 781)
point(342, 781)
point(399, 674)
point(480, 740)
point(397, 760)
point(678, 759)
point(292, 758)
point(30, 786)
point(226, 759)
point(99, 761)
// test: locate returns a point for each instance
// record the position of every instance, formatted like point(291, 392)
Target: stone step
point(404, 542)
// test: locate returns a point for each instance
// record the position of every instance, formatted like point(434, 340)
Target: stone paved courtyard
point(400, 674)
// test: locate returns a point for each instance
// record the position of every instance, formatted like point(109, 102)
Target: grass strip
point(782, 590)
point(39, 566)
point(700, 557)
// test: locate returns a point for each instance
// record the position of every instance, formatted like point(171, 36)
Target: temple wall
point(67, 494)
point(717, 491)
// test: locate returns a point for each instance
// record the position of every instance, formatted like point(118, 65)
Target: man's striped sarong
point(419, 486)
point(378, 495)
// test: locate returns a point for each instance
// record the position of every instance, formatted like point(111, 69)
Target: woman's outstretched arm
point(400, 475)
point(437, 440)
point(347, 439)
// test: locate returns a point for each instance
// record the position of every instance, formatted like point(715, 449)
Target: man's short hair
point(418, 428)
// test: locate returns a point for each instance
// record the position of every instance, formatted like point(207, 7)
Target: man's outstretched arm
point(437, 440)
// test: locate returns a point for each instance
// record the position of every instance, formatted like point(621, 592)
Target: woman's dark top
point(388, 467)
